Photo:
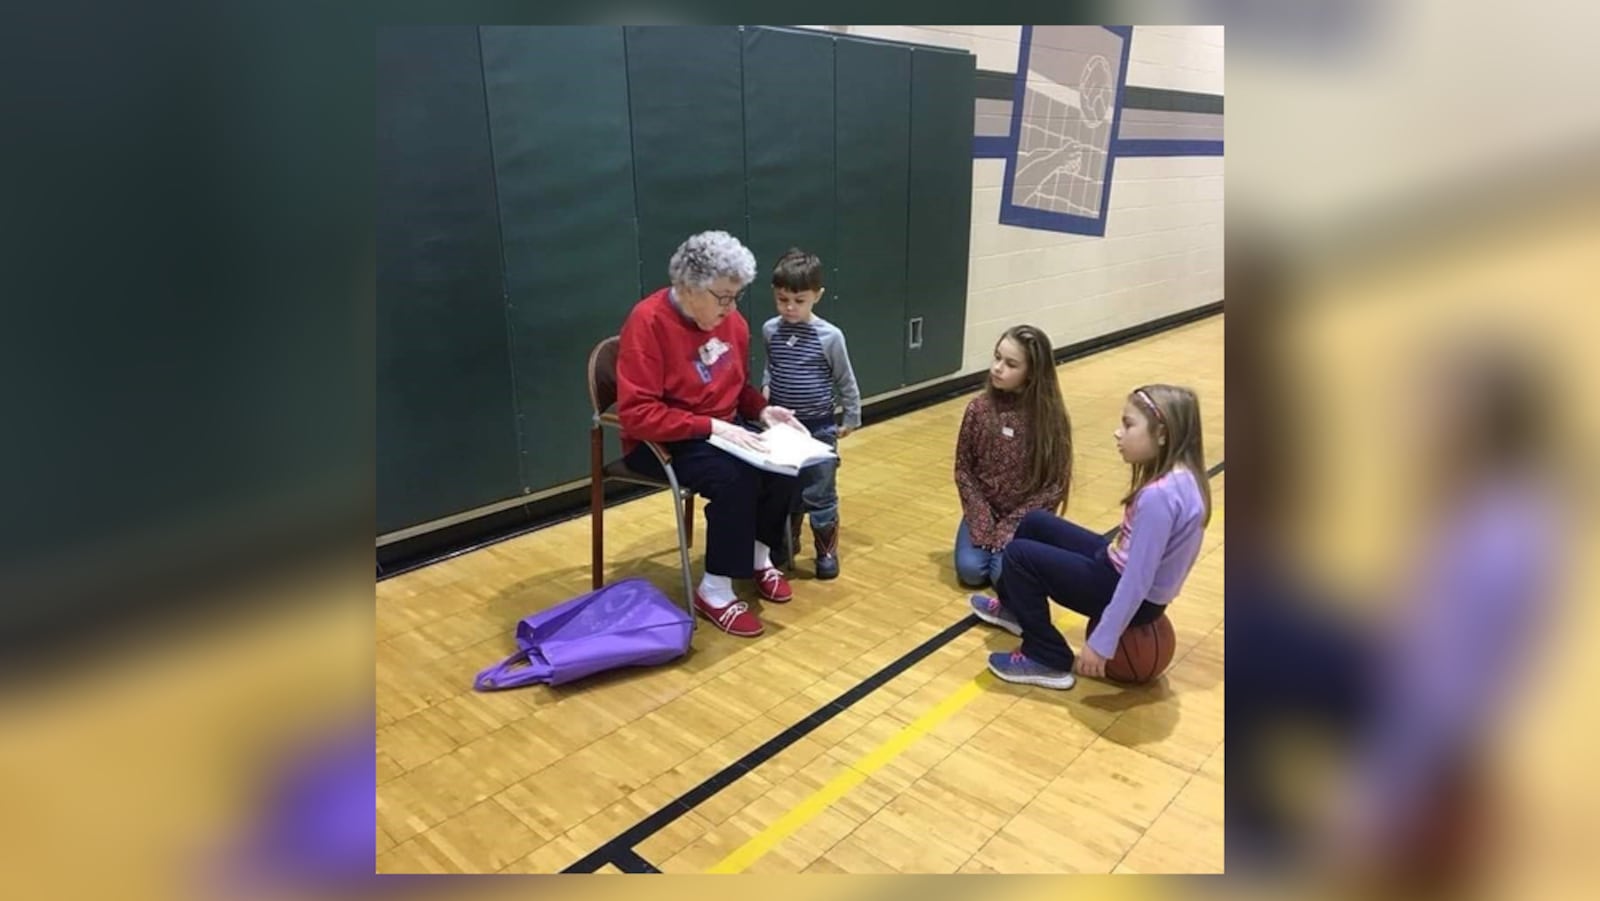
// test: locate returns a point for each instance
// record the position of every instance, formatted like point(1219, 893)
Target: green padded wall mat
point(558, 113)
point(873, 133)
point(446, 438)
point(688, 139)
point(940, 218)
point(788, 127)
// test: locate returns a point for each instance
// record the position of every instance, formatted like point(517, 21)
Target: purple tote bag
point(626, 623)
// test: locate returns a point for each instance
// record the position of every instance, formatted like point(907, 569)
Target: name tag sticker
point(712, 351)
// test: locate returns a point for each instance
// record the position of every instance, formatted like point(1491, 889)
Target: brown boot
point(827, 544)
point(796, 520)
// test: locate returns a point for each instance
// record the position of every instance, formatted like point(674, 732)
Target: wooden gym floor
point(860, 734)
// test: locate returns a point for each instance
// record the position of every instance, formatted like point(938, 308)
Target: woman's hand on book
point(738, 435)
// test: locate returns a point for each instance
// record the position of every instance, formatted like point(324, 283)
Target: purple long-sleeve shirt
point(1485, 590)
point(1154, 550)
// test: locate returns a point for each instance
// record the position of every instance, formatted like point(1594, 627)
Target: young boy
point(807, 369)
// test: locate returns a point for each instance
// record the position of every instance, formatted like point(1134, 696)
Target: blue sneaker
point(991, 611)
point(1014, 667)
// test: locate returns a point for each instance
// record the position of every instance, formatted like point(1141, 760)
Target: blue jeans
point(975, 567)
point(819, 486)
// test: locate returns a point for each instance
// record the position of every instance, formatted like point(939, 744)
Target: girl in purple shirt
point(1124, 582)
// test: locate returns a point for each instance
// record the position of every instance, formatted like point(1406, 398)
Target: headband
point(1160, 417)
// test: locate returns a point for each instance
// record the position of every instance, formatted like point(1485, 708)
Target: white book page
point(788, 450)
point(787, 446)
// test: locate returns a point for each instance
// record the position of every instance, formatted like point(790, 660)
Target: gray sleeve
point(768, 329)
point(844, 377)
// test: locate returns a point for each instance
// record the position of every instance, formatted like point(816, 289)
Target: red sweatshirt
point(673, 378)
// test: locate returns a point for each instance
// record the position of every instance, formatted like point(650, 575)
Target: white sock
point(717, 590)
point(763, 558)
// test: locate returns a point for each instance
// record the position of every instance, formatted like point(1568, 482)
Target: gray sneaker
point(991, 611)
point(1015, 667)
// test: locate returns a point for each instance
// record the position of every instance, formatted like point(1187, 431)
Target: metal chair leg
point(597, 508)
point(679, 503)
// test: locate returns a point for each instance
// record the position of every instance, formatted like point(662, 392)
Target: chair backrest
point(603, 374)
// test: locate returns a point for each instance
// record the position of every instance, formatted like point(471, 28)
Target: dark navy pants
point(743, 504)
point(1052, 558)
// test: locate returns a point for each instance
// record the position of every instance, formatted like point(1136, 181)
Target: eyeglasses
point(727, 301)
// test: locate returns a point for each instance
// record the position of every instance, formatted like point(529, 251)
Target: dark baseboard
point(928, 395)
point(491, 528)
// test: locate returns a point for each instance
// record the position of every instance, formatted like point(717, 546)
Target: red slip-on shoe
point(733, 617)
point(771, 585)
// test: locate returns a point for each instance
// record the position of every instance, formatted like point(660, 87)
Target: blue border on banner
point(990, 147)
point(1028, 217)
point(1005, 147)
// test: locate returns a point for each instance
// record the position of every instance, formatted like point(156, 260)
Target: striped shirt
point(808, 369)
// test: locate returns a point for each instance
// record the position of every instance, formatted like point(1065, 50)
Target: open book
point(789, 450)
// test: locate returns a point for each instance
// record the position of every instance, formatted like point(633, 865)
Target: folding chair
point(603, 397)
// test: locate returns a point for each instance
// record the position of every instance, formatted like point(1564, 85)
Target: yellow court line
point(853, 775)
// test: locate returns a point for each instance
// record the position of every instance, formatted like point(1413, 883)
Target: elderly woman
point(683, 376)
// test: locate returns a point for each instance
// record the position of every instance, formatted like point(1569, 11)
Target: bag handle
point(506, 673)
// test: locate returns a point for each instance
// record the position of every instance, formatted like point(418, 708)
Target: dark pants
point(1298, 664)
point(1052, 558)
point(743, 504)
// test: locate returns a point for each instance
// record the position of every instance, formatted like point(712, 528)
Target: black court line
point(620, 851)
point(692, 798)
point(629, 861)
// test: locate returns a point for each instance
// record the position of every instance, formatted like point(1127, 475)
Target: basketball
point(1143, 653)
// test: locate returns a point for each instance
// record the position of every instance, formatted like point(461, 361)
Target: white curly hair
point(708, 256)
